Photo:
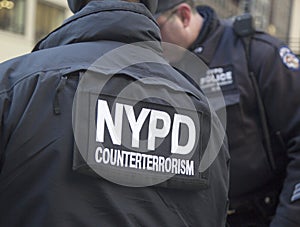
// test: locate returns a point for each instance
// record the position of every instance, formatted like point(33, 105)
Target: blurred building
point(294, 35)
point(23, 22)
point(277, 17)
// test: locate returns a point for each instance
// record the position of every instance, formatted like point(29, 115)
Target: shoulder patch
point(289, 59)
point(296, 193)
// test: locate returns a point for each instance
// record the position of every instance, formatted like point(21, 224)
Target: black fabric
point(110, 18)
point(251, 172)
point(38, 185)
point(165, 5)
point(76, 5)
point(209, 24)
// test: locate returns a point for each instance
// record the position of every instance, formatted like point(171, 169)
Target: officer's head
point(178, 21)
point(76, 5)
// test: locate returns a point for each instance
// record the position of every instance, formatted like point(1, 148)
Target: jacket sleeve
point(1, 128)
point(3, 104)
point(278, 74)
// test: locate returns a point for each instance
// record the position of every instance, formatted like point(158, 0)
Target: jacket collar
point(105, 20)
point(210, 35)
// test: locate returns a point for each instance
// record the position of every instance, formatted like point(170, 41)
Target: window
point(281, 17)
point(12, 15)
point(48, 17)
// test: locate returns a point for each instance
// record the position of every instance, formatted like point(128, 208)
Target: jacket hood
point(105, 20)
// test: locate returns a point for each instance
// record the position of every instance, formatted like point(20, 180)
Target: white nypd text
point(170, 126)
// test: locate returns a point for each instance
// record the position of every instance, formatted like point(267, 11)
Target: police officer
point(260, 80)
point(96, 131)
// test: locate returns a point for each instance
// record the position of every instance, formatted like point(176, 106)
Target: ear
point(184, 12)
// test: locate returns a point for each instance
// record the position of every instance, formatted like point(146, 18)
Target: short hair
point(191, 3)
point(136, 1)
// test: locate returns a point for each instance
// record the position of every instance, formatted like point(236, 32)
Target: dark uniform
point(263, 184)
point(46, 179)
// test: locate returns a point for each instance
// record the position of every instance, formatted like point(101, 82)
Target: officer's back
point(98, 133)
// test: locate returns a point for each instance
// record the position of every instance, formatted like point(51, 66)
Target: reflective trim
point(296, 193)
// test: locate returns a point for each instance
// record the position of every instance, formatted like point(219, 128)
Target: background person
point(265, 182)
point(43, 179)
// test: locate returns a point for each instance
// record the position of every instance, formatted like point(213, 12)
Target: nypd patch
point(218, 78)
point(289, 59)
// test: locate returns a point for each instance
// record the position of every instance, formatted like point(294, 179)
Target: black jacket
point(45, 181)
point(256, 174)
